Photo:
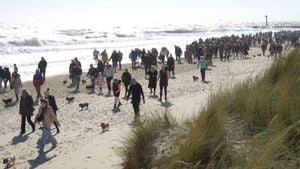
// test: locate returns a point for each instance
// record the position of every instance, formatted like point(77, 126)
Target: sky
point(135, 11)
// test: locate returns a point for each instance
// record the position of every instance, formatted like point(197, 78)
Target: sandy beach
point(81, 142)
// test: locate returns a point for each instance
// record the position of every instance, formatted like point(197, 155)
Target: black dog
point(83, 81)
point(9, 161)
point(64, 82)
point(7, 101)
point(195, 78)
point(70, 99)
point(89, 87)
point(84, 105)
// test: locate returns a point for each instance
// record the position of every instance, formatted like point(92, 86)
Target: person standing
point(126, 78)
point(116, 87)
point(115, 58)
point(26, 110)
point(48, 118)
point(120, 59)
point(136, 91)
point(16, 84)
point(38, 81)
point(171, 64)
point(109, 74)
point(76, 71)
point(7, 77)
point(15, 68)
point(95, 55)
point(52, 103)
point(100, 82)
point(92, 74)
point(2, 75)
point(42, 67)
point(152, 80)
point(203, 66)
point(163, 78)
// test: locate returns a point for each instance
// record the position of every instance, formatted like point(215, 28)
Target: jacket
point(49, 116)
point(26, 106)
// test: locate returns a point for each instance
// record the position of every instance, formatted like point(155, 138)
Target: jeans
point(46, 134)
point(77, 82)
point(203, 74)
point(93, 81)
point(108, 82)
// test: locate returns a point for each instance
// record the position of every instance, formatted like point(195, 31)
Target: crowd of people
point(201, 52)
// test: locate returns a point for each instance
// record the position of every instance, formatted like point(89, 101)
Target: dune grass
point(255, 124)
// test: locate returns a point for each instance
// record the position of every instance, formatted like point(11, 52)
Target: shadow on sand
point(40, 159)
point(166, 104)
point(19, 139)
point(10, 104)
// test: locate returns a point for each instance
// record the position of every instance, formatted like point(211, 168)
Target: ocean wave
point(28, 42)
point(75, 32)
point(120, 35)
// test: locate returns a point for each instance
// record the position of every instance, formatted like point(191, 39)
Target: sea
point(24, 43)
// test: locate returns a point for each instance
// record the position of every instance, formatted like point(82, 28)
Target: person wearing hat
point(47, 117)
point(26, 110)
point(92, 74)
point(52, 103)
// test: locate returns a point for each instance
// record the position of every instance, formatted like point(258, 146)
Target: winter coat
point(26, 106)
point(38, 79)
point(136, 91)
point(100, 80)
point(152, 79)
point(49, 116)
point(126, 78)
point(16, 84)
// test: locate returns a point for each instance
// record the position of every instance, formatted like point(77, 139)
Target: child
point(100, 82)
point(116, 87)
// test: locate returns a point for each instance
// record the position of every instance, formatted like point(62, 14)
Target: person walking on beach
point(26, 110)
point(178, 53)
point(38, 81)
point(152, 80)
point(171, 65)
point(7, 77)
point(115, 58)
point(116, 87)
point(16, 84)
point(47, 117)
point(136, 91)
point(203, 66)
point(15, 68)
point(77, 72)
point(126, 78)
point(120, 59)
point(100, 82)
point(2, 74)
point(42, 67)
point(109, 74)
point(92, 74)
point(95, 55)
point(52, 103)
point(163, 78)
point(104, 56)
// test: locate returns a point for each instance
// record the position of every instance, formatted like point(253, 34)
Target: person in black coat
point(136, 91)
point(42, 67)
point(152, 80)
point(171, 64)
point(7, 77)
point(26, 110)
point(163, 78)
point(126, 79)
point(52, 103)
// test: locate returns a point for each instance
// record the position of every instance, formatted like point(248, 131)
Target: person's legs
point(93, 80)
point(56, 126)
point(120, 65)
point(160, 91)
point(108, 82)
point(165, 88)
point(30, 122)
point(77, 82)
point(23, 124)
point(38, 91)
point(203, 74)
point(136, 110)
point(46, 134)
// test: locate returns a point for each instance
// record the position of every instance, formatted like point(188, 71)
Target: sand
point(82, 144)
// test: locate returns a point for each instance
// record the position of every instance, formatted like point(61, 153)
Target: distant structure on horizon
point(266, 20)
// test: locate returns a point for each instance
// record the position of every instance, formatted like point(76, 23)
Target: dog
point(104, 126)
point(88, 87)
point(258, 54)
point(84, 105)
point(7, 101)
point(64, 82)
point(9, 161)
point(70, 99)
point(195, 78)
point(83, 81)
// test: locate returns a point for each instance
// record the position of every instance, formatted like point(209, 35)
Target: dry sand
point(81, 143)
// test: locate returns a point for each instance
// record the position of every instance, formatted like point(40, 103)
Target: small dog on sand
point(83, 81)
point(64, 82)
point(9, 161)
point(104, 126)
point(7, 101)
point(88, 87)
point(195, 78)
point(84, 105)
point(70, 99)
